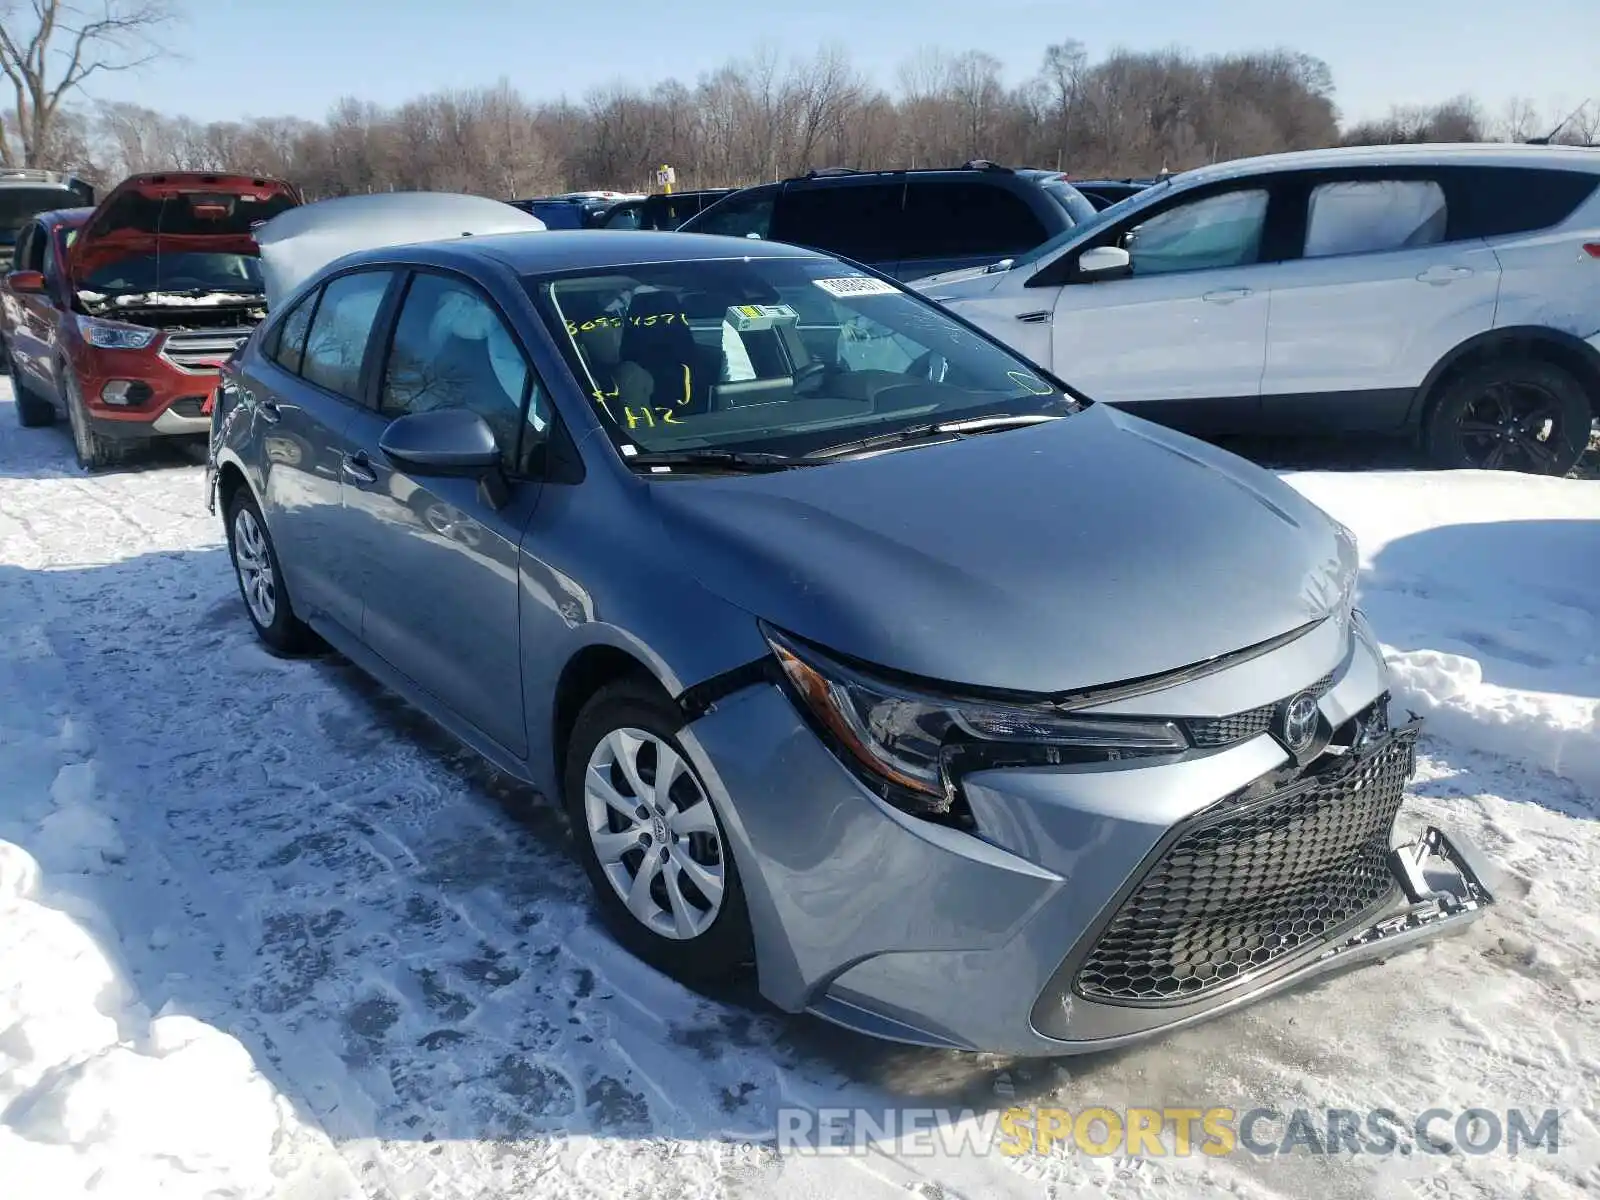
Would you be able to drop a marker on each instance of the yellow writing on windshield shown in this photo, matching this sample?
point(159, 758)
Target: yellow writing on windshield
point(574, 328)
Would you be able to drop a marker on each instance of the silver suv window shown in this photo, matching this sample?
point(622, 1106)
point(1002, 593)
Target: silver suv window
point(1371, 216)
point(1219, 231)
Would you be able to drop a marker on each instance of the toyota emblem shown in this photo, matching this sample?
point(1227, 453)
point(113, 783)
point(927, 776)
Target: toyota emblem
point(1300, 722)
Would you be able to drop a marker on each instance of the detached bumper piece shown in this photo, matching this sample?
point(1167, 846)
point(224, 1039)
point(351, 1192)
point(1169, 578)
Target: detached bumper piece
point(1269, 888)
point(1251, 880)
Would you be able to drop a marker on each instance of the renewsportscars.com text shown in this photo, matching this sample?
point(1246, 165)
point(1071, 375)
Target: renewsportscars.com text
point(1168, 1131)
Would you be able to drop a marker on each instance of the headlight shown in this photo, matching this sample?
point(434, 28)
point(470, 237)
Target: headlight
point(911, 746)
point(110, 335)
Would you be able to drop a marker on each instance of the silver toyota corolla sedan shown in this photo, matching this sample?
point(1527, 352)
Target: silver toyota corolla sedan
point(970, 712)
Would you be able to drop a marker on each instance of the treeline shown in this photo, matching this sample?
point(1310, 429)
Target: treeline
point(762, 118)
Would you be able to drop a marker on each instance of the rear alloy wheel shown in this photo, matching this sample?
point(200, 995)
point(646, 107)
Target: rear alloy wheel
point(650, 838)
point(32, 411)
point(255, 563)
point(95, 452)
point(1514, 415)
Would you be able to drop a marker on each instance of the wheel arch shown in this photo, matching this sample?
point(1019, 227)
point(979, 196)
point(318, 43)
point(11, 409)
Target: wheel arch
point(588, 669)
point(1540, 342)
point(230, 478)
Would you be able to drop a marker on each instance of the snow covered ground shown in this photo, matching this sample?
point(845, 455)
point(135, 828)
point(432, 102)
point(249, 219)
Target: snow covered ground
point(264, 933)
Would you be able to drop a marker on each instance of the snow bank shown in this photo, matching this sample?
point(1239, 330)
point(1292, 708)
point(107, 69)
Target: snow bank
point(97, 1096)
point(1484, 588)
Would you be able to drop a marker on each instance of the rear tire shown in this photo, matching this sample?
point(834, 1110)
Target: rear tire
point(33, 412)
point(1511, 415)
point(260, 578)
point(688, 918)
point(95, 452)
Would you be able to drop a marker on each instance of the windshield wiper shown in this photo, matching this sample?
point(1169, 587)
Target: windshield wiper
point(913, 433)
point(978, 424)
point(725, 460)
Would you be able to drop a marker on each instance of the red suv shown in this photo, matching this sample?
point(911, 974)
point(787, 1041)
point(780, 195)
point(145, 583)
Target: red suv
point(119, 315)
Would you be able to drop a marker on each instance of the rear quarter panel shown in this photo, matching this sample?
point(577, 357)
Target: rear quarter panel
point(1548, 279)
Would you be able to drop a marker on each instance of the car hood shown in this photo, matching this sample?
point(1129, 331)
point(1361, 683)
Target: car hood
point(969, 281)
point(157, 214)
point(1088, 551)
point(298, 244)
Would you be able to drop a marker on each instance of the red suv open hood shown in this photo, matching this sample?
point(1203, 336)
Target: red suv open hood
point(177, 211)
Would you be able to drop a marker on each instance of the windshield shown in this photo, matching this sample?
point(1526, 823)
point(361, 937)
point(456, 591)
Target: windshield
point(1070, 198)
point(778, 355)
point(1102, 218)
point(177, 272)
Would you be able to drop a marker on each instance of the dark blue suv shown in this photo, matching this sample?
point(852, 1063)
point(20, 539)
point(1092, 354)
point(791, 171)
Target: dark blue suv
point(905, 223)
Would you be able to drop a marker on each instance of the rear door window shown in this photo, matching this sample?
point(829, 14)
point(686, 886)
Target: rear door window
point(1370, 216)
point(859, 221)
point(957, 219)
point(340, 330)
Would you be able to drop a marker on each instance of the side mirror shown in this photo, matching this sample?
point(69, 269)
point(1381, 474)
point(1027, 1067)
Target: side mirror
point(445, 441)
point(1104, 262)
point(26, 283)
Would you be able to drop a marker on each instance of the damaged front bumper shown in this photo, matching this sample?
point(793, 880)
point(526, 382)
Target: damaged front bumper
point(1090, 906)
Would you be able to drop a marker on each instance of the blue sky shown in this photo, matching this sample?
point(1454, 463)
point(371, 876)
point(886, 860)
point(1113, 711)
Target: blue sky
point(298, 56)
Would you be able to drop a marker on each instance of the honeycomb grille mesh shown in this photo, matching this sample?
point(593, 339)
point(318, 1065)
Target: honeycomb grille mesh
point(1247, 885)
point(1223, 731)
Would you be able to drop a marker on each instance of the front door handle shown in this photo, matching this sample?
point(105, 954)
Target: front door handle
point(1443, 275)
point(1227, 295)
point(1035, 318)
point(358, 467)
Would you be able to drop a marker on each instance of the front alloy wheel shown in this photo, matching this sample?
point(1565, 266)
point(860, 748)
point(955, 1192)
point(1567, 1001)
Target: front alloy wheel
point(650, 837)
point(260, 576)
point(256, 578)
point(653, 833)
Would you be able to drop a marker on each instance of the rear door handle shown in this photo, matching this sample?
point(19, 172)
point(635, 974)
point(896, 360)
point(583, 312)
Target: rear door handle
point(1227, 295)
point(1440, 275)
point(358, 467)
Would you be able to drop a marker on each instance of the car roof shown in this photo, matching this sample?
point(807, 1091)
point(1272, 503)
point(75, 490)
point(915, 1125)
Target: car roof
point(553, 251)
point(71, 217)
point(36, 177)
point(845, 175)
point(1467, 154)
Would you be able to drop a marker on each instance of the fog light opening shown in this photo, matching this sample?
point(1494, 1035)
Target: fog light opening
point(124, 392)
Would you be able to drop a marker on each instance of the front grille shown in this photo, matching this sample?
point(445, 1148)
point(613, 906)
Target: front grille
point(202, 349)
point(1249, 882)
point(1224, 731)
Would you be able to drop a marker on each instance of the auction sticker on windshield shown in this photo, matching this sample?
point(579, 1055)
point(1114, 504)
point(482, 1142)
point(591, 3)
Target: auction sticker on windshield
point(856, 285)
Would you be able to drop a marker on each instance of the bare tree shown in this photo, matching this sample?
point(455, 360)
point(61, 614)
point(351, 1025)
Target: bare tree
point(1584, 128)
point(50, 48)
point(1519, 121)
point(767, 116)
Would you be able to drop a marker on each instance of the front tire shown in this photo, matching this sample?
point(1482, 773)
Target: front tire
point(650, 839)
point(95, 452)
point(255, 566)
point(1511, 415)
